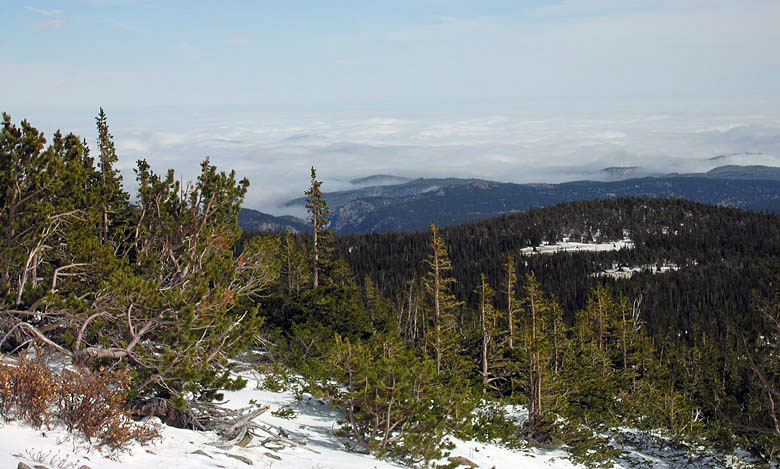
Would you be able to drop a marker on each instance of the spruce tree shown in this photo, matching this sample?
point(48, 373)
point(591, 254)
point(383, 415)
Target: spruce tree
point(536, 307)
point(112, 198)
point(511, 307)
point(321, 235)
point(438, 283)
point(491, 353)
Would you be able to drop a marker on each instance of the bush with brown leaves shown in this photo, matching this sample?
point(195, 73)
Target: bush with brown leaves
point(28, 390)
point(89, 404)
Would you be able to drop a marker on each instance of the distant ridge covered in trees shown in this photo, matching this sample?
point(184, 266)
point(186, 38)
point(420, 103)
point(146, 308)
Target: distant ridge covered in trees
point(713, 247)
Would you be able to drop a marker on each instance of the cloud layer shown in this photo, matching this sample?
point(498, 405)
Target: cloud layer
point(275, 150)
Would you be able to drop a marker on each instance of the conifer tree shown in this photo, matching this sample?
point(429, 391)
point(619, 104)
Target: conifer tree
point(537, 307)
point(438, 283)
point(321, 239)
point(492, 351)
point(511, 308)
point(295, 271)
point(112, 198)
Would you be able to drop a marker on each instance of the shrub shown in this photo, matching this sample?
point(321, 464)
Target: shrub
point(395, 403)
point(28, 389)
point(90, 404)
point(94, 406)
point(285, 412)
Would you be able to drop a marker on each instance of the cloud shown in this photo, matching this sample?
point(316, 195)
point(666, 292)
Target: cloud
point(50, 18)
point(44, 12)
point(275, 151)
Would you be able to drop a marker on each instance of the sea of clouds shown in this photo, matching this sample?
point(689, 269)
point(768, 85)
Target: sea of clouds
point(507, 142)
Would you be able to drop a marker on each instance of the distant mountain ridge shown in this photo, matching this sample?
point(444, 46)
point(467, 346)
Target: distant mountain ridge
point(413, 205)
point(454, 205)
point(413, 187)
point(253, 220)
point(756, 172)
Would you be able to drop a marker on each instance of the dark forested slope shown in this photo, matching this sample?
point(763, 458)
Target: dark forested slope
point(721, 254)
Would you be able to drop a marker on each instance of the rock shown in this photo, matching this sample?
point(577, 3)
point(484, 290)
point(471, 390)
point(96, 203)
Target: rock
point(273, 456)
point(40, 466)
point(202, 453)
point(240, 458)
point(84, 466)
point(23, 466)
point(463, 461)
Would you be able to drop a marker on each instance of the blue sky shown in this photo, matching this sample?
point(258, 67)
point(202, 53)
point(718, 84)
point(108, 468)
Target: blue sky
point(195, 53)
point(509, 90)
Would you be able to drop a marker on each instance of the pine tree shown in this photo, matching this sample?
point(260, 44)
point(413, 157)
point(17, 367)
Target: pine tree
point(438, 284)
point(112, 198)
point(295, 271)
point(536, 306)
point(321, 239)
point(491, 353)
point(511, 308)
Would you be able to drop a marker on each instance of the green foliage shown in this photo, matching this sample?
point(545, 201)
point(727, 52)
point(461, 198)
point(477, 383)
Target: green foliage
point(284, 412)
point(394, 401)
point(441, 304)
point(154, 284)
point(322, 237)
point(491, 424)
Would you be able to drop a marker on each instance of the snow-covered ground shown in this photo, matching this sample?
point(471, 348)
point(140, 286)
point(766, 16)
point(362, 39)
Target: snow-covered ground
point(313, 426)
point(571, 246)
point(628, 272)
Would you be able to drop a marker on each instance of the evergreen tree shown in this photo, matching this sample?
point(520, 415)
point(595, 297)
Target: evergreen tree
point(295, 271)
point(321, 235)
point(536, 308)
point(438, 282)
point(491, 353)
point(511, 308)
point(113, 199)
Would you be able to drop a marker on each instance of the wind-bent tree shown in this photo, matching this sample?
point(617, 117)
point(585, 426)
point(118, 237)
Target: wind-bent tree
point(31, 212)
point(318, 210)
point(161, 293)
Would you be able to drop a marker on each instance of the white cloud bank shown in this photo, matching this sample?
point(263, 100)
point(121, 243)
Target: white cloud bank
point(510, 144)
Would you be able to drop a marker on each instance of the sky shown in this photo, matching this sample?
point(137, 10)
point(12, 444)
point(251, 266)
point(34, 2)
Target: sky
point(516, 91)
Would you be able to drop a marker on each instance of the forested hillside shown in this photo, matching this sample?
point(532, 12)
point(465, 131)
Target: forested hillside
point(722, 254)
point(153, 300)
point(699, 298)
